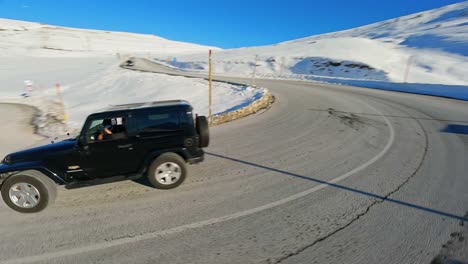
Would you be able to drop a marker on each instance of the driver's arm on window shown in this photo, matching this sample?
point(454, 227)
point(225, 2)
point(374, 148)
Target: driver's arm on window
point(104, 131)
point(107, 131)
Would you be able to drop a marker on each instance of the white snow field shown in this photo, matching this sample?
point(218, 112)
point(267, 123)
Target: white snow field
point(34, 39)
point(434, 43)
point(91, 84)
point(86, 65)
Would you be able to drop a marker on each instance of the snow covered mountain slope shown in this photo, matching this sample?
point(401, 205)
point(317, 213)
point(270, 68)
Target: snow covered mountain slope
point(89, 84)
point(34, 39)
point(445, 29)
point(86, 65)
point(434, 43)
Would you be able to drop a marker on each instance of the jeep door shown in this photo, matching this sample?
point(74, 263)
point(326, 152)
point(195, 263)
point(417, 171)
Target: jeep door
point(110, 155)
point(155, 130)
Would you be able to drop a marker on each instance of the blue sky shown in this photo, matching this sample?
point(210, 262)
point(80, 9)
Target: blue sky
point(226, 24)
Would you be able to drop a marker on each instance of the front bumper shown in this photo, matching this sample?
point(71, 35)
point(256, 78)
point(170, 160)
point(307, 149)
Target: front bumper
point(194, 155)
point(196, 159)
point(4, 167)
point(4, 172)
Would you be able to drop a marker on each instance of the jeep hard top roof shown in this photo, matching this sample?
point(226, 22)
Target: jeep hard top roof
point(144, 105)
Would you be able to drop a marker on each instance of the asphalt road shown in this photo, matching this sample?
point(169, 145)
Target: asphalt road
point(329, 174)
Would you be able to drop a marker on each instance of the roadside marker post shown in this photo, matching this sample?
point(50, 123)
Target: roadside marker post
point(210, 81)
point(29, 87)
point(58, 89)
point(283, 62)
point(408, 66)
point(254, 72)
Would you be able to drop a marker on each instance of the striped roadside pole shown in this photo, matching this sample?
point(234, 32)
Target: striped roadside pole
point(58, 89)
point(210, 78)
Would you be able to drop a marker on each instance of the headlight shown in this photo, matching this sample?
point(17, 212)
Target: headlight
point(7, 159)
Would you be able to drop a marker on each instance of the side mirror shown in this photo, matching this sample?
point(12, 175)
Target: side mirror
point(80, 142)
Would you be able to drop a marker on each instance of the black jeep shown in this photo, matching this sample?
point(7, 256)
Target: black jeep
point(154, 139)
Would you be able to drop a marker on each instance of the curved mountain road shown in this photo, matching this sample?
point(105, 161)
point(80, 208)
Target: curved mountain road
point(329, 174)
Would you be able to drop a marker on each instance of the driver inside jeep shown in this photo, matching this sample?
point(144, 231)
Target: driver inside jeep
point(107, 129)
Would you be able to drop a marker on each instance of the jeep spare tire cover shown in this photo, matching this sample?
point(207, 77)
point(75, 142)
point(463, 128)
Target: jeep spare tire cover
point(203, 131)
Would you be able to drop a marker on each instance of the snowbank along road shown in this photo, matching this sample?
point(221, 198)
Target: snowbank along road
point(329, 174)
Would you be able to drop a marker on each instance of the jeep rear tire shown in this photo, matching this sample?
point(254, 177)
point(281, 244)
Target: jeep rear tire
point(28, 191)
point(167, 171)
point(203, 131)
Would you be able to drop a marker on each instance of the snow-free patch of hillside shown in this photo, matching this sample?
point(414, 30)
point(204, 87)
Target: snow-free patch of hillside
point(434, 43)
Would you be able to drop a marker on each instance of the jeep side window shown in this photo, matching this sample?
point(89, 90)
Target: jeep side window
point(105, 129)
point(157, 121)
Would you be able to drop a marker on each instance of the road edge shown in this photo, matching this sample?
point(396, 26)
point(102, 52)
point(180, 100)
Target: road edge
point(264, 102)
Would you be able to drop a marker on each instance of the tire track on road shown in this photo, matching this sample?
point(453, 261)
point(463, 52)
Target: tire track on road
point(376, 202)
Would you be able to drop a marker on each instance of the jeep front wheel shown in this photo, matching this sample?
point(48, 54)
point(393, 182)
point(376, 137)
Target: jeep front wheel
point(167, 171)
point(28, 192)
